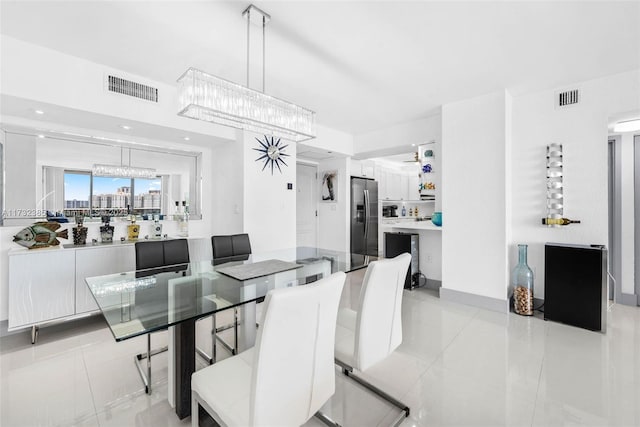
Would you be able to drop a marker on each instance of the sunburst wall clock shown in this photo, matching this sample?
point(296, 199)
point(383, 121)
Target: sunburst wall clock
point(273, 153)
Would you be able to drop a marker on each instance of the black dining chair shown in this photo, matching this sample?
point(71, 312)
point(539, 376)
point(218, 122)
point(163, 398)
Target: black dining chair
point(156, 257)
point(228, 248)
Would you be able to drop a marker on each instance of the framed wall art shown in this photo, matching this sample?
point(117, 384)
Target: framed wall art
point(329, 186)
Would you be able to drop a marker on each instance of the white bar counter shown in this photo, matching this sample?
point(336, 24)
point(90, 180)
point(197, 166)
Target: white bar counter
point(430, 242)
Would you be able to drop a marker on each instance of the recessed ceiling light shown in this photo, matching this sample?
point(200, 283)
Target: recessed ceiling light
point(627, 126)
point(40, 136)
point(329, 152)
point(38, 112)
point(413, 145)
point(186, 138)
point(125, 127)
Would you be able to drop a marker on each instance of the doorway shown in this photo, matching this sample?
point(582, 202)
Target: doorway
point(636, 211)
point(615, 219)
point(306, 204)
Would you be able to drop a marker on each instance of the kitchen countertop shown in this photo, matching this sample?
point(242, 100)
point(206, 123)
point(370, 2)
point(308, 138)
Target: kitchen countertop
point(410, 225)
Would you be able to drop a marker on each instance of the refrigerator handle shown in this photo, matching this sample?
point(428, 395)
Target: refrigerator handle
point(367, 214)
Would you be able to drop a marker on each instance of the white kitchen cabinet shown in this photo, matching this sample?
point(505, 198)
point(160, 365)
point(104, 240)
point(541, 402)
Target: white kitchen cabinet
point(382, 178)
point(404, 187)
point(414, 187)
point(367, 168)
point(41, 286)
point(97, 261)
point(363, 168)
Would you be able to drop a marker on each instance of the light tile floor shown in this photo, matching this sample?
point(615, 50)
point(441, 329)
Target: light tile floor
point(457, 365)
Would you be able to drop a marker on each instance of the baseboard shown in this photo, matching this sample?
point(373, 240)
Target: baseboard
point(4, 326)
point(493, 304)
point(628, 299)
point(433, 284)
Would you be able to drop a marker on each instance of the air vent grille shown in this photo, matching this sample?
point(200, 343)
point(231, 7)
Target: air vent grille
point(128, 87)
point(569, 97)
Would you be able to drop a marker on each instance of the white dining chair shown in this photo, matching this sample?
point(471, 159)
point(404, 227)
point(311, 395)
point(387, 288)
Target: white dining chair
point(289, 374)
point(367, 336)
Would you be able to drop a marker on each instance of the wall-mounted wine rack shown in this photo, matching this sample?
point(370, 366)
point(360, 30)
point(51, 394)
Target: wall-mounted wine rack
point(555, 185)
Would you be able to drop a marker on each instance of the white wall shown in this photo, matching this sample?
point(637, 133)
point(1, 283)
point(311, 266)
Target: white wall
point(475, 142)
point(333, 140)
point(269, 207)
point(582, 130)
point(36, 73)
point(227, 187)
point(415, 132)
point(334, 218)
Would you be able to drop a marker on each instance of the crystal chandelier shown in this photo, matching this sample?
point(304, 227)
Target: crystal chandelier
point(122, 170)
point(206, 97)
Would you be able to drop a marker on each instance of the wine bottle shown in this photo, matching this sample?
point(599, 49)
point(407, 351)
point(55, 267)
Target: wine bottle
point(559, 221)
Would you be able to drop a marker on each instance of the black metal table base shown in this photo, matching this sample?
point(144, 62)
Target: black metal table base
point(185, 362)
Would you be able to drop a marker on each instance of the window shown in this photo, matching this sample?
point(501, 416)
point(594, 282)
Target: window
point(110, 196)
point(77, 191)
point(147, 196)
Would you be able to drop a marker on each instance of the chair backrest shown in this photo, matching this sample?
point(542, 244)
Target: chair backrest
point(221, 246)
point(379, 319)
point(161, 253)
point(294, 373)
point(241, 244)
point(149, 255)
point(236, 247)
point(176, 252)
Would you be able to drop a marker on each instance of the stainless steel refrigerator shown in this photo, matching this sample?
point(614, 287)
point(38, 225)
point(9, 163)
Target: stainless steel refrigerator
point(364, 216)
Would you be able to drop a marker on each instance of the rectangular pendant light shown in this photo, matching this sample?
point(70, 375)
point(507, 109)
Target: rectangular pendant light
point(206, 97)
point(123, 171)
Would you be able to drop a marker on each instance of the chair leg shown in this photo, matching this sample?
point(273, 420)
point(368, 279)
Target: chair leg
point(210, 359)
point(146, 376)
point(233, 350)
point(326, 420)
point(235, 331)
point(195, 411)
point(348, 371)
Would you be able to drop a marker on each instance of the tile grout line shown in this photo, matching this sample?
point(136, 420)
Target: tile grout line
point(404, 397)
point(93, 400)
point(535, 401)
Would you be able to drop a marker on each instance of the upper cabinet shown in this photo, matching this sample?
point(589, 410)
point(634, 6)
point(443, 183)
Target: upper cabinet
point(363, 168)
point(393, 183)
point(396, 185)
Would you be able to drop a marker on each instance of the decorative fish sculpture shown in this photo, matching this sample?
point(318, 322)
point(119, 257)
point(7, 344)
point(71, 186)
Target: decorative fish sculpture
point(40, 235)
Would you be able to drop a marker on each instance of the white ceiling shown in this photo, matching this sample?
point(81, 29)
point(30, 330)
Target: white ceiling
point(361, 66)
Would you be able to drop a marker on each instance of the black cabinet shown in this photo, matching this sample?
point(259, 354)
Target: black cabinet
point(575, 285)
point(398, 243)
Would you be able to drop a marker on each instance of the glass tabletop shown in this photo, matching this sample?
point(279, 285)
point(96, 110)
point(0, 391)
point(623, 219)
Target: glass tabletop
point(138, 302)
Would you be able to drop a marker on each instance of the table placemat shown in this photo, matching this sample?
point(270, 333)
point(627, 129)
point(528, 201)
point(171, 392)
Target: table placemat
point(257, 269)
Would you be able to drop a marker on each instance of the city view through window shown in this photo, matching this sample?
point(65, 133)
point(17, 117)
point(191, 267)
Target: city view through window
point(110, 196)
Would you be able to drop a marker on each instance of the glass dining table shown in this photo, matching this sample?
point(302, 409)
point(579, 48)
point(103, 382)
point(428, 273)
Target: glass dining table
point(136, 303)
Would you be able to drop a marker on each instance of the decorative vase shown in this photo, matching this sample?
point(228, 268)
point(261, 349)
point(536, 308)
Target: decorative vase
point(436, 219)
point(522, 282)
point(156, 228)
point(79, 231)
point(133, 230)
point(106, 230)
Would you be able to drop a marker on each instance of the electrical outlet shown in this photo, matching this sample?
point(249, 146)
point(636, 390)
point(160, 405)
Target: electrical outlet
point(429, 258)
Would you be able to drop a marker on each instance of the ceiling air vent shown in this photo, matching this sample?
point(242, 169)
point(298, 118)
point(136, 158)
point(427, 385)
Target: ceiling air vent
point(128, 87)
point(569, 97)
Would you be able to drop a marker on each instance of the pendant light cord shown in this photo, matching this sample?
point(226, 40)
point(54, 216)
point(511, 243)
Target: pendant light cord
point(248, 41)
point(264, 50)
